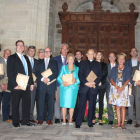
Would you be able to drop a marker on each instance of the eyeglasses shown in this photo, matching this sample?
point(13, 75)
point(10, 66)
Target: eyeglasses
point(20, 45)
point(40, 52)
point(47, 51)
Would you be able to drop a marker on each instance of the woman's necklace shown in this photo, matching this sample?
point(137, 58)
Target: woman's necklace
point(71, 70)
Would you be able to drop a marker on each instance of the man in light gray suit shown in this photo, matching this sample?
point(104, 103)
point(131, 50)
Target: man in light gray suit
point(136, 93)
point(112, 59)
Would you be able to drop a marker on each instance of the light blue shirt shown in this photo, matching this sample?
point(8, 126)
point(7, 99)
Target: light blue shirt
point(134, 62)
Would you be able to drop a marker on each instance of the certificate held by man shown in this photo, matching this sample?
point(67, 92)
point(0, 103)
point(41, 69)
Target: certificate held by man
point(47, 73)
point(91, 78)
point(22, 81)
point(136, 76)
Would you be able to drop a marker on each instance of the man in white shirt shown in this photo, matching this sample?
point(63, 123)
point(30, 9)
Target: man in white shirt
point(112, 60)
point(132, 62)
point(33, 62)
point(61, 60)
point(17, 63)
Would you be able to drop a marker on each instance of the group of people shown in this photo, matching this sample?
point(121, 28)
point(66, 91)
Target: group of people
point(55, 98)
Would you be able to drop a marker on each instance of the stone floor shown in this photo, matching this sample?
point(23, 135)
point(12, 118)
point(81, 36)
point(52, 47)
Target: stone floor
point(59, 132)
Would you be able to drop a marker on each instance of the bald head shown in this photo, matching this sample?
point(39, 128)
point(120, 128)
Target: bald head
point(90, 54)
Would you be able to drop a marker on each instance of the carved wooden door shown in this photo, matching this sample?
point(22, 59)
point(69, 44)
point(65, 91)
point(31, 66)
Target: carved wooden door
point(98, 29)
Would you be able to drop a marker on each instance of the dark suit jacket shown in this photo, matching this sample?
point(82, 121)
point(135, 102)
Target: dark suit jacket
point(129, 63)
point(15, 66)
point(59, 65)
point(77, 63)
point(40, 67)
point(135, 89)
point(126, 74)
point(103, 80)
point(84, 70)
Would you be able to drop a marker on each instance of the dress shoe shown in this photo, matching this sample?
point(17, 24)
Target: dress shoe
point(93, 123)
point(66, 120)
point(90, 125)
point(110, 123)
point(33, 121)
point(49, 123)
point(39, 122)
point(136, 125)
point(29, 124)
point(57, 121)
point(77, 126)
point(100, 123)
point(129, 121)
point(9, 121)
point(16, 125)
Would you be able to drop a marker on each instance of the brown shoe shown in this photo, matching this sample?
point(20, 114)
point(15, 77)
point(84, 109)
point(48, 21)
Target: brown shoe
point(136, 125)
point(39, 122)
point(123, 127)
point(9, 121)
point(33, 121)
point(49, 123)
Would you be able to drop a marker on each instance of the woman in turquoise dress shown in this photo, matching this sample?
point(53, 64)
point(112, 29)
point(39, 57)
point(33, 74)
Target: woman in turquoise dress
point(68, 93)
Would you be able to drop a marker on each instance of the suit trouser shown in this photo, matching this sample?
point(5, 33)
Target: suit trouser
point(101, 93)
point(20, 109)
point(137, 107)
point(109, 106)
point(82, 106)
point(6, 97)
point(33, 98)
point(130, 109)
point(48, 95)
point(57, 108)
point(26, 105)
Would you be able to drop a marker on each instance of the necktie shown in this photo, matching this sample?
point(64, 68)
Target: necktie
point(64, 61)
point(46, 64)
point(24, 64)
point(32, 64)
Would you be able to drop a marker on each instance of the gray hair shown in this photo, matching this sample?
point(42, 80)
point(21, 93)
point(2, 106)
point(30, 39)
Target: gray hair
point(65, 45)
point(42, 50)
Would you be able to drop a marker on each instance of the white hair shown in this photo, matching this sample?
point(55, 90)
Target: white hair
point(65, 45)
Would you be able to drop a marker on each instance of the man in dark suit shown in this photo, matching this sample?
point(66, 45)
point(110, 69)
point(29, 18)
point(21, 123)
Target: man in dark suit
point(112, 60)
point(132, 62)
point(78, 59)
point(61, 60)
point(17, 63)
point(33, 62)
point(46, 92)
point(86, 90)
point(136, 93)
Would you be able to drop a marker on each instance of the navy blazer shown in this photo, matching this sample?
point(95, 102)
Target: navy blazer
point(59, 65)
point(84, 70)
point(40, 67)
point(129, 63)
point(126, 74)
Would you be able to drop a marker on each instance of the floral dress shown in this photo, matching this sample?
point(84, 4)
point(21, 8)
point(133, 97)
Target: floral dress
point(121, 99)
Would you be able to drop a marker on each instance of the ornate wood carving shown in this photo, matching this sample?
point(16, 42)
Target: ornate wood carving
point(98, 29)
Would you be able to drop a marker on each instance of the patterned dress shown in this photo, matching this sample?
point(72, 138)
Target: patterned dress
point(121, 99)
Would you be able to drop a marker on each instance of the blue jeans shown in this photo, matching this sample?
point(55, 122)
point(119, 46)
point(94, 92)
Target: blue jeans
point(5, 97)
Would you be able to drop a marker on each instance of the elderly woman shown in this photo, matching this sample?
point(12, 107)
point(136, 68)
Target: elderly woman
point(119, 95)
point(68, 93)
point(102, 86)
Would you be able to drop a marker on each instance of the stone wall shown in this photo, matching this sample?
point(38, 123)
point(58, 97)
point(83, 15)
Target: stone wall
point(24, 19)
point(83, 5)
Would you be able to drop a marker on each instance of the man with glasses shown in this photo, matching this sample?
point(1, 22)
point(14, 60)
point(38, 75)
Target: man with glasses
point(40, 54)
point(46, 92)
point(132, 62)
point(86, 90)
point(61, 60)
point(112, 60)
point(19, 63)
point(33, 62)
